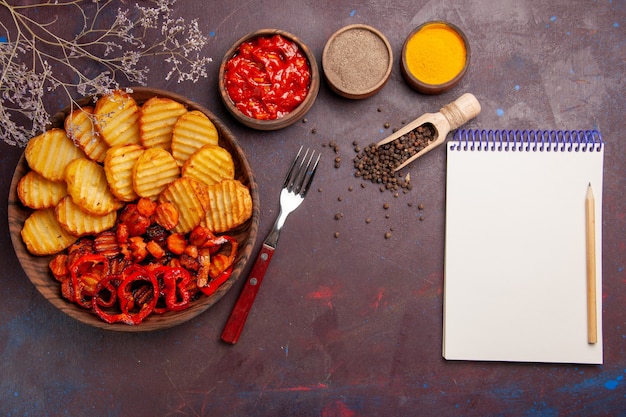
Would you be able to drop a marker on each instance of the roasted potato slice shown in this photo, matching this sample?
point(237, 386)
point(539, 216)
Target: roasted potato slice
point(88, 186)
point(190, 198)
point(154, 170)
point(157, 118)
point(78, 222)
point(192, 131)
point(230, 206)
point(118, 167)
point(44, 235)
point(117, 116)
point(210, 164)
point(49, 153)
point(37, 192)
point(80, 129)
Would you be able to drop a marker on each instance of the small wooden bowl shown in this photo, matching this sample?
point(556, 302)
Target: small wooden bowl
point(357, 61)
point(291, 117)
point(426, 87)
point(36, 267)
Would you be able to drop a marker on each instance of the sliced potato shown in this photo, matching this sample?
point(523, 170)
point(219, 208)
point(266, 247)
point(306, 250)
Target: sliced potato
point(49, 153)
point(80, 129)
point(118, 167)
point(87, 184)
point(230, 206)
point(154, 170)
point(190, 198)
point(37, 192)
point(156, 121)
point(78, 222)
point(117, 116)
point(192, 131)
point(210, 164)
point(117, 152)
point(44, 235)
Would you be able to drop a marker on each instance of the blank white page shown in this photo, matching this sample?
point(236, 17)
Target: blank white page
point(515, 258)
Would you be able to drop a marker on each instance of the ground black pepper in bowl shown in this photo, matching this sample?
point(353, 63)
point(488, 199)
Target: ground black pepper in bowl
point(377, 163)
point(357, 61)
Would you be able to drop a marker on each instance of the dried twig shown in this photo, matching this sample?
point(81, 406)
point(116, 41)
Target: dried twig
point(34, 60)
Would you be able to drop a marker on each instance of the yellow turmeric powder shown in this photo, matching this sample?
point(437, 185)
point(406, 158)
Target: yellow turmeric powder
point(435, 54)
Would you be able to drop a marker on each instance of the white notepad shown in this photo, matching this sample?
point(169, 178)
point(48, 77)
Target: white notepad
point(515, 282)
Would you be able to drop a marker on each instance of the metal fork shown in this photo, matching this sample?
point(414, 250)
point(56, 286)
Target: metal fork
point(295, 187)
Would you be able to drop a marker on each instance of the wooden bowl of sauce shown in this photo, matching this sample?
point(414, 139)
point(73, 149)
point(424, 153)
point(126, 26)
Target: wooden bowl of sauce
point(357, 61)
point(268, 79)
point(435, 57)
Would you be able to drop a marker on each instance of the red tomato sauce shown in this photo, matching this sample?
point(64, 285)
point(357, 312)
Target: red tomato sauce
point(268, 77)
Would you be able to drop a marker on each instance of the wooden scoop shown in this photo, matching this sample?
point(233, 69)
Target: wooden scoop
point(450, 117)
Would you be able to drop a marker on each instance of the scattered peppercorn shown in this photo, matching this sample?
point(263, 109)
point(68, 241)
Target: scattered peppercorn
point(376, 164)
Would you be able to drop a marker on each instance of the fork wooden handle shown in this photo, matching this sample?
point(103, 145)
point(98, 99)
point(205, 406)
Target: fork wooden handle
point(238, 316)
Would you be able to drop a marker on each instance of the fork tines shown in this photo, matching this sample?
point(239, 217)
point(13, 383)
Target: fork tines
point(300, 175)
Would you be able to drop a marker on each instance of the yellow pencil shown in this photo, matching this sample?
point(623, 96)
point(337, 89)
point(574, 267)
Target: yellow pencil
point(590, 216)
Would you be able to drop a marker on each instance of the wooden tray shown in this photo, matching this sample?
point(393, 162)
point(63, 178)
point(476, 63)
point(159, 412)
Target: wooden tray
point(36, 267)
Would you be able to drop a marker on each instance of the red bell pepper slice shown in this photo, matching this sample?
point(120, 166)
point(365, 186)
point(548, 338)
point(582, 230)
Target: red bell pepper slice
point(222, 265)
point(216, 243)
point(108, 286)
point(174, 288)
point(215, 283)
point(134, 311)
point(84, 272)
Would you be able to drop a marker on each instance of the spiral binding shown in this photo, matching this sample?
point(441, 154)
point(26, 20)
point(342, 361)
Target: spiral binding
point(527, 140)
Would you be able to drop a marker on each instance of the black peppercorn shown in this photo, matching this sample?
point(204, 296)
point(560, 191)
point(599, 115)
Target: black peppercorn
point(377, 164)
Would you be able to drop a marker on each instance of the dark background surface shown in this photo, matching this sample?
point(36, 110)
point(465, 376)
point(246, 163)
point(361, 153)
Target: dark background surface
point(350, 326)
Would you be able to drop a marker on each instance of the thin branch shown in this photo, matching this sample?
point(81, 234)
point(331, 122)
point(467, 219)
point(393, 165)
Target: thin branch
point(149, 32)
